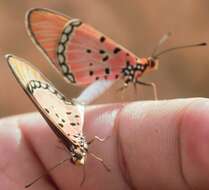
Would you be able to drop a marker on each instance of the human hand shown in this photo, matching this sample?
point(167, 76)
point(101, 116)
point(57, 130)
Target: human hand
point(156, 145)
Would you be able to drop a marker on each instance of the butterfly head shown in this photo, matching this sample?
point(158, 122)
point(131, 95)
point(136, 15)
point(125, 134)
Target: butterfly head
point(152, 63)
point(79, 154)
point(146, 64)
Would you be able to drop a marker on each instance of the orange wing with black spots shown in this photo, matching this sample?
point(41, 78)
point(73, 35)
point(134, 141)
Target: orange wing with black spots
point(79, 51)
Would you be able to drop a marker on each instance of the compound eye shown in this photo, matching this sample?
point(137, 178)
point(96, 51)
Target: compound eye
point(152, 63)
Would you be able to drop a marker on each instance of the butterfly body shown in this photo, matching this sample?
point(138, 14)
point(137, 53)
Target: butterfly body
point(81, 53)
point(84, 55)
point(64, 116)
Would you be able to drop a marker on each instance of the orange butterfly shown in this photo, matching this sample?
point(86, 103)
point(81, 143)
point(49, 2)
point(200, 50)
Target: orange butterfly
point(83, 54)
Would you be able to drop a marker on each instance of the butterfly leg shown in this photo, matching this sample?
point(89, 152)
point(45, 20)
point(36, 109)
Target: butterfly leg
point(84, 175)
point(61, 147)
point(98, 139)
point(125, 85)
point(135, 90)
point(153, 85)
point(46, 173)
point(101, 161)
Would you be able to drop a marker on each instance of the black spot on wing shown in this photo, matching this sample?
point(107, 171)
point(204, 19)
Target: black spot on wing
point(91, 73)
point(102, 39)
point(116, 50)
point(105, 58)
point(101, 51)
point(127, 63)
point(73, 124)
point(46, 110)
point(88, 50)
point(107, 70)
point(60, 124)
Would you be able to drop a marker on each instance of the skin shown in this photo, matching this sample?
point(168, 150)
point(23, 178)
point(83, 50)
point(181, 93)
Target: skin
point(155, 145)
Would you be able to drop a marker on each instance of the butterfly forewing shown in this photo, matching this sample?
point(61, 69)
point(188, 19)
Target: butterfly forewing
point(79, 51)
point(44, 27)
point(67, 116)
point(64, 117)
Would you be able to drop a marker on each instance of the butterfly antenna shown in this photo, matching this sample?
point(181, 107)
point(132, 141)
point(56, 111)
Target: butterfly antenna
point(162, 41)
point(38, 178)
point(101, 161)
point(179, 47)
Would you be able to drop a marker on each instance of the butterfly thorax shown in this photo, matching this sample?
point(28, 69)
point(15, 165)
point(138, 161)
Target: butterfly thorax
point(78, 149)
point(132, 72)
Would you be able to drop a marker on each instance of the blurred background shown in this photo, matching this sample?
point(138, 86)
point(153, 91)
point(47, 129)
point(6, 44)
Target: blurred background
point(136, 24)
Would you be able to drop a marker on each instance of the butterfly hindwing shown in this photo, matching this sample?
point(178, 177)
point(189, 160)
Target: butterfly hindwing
point(80, 52)
point(65, 117)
